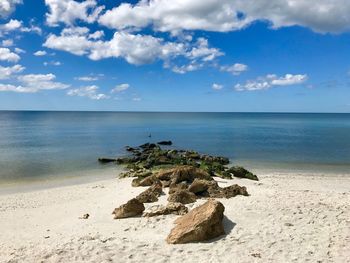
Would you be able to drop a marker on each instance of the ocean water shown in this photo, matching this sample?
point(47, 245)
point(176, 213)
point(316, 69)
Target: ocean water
point(38, 145)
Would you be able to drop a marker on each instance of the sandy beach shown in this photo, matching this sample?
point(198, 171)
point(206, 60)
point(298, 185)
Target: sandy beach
point(286, 218)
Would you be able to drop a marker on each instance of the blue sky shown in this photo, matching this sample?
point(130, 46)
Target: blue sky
point(179, 55)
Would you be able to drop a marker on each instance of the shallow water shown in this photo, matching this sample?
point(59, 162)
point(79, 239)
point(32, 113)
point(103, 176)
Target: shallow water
point(35, 145)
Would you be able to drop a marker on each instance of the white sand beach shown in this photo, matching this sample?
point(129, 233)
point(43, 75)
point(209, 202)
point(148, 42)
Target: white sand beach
point(286, 218)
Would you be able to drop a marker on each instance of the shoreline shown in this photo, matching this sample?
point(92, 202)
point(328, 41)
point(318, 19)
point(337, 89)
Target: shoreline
point(286, 218)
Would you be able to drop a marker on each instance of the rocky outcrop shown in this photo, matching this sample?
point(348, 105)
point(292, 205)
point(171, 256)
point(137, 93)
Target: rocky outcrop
point(132, 208)
point(200, 224)
point(170, 208)
point(182, 196)
point(148, 181)
point(151, 194)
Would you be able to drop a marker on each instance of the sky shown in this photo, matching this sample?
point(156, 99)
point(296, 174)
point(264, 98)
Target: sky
point(175, 55)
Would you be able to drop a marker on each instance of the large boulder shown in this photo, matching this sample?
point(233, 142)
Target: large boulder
point(200, 186)
point(182, 173)
point(170, 208)
point(182, 196)
point(200, 224)
point(151, 194)
point(132, 208)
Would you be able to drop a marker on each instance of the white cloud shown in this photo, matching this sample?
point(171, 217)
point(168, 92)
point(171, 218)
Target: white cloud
point(136, 49)
point(40, 53)
point(52, 63)
point(8, 6)
point(120, 88)
point(19, 50)
point(33, 83)
point(288, 79)
point(7, 43)
point(271, 80)
point(16, 25)
point(136, 99)
point(7, 72)
point(7, 55)
point(216, 86)
point(67, 11)
point(235, 69)
point(89, 91)
point(229, 15)
point(87, 78)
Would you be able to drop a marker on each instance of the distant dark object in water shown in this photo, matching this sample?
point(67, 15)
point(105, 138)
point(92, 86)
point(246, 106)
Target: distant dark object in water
point(106, 160)
point(150, 135)
point(165, 143)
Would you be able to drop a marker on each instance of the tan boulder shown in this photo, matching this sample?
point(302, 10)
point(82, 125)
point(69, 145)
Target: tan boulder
point(182, 196)
point(170, 208)
point(199, 185)
point(200, 224)
point(151, 194)
point(132, 208)
point(147, 181)
point(175, 187)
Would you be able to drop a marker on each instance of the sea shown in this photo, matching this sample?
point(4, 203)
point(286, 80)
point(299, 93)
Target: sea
point(44, 145)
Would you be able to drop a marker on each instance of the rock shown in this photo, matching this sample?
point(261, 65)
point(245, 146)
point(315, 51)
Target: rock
point(106, 160)
point(176, 187)
point(148, 181)
point(165, 143)
point(151, 194)
point(85, 216)
point(182, 196)
point(182, 173)
point(200, 224)
point(171, 208)
point(132, 208)
point(199, 186)
point(228, 192)
point(241, 172)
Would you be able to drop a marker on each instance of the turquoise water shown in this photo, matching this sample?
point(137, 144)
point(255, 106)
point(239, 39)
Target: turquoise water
point(35, 145)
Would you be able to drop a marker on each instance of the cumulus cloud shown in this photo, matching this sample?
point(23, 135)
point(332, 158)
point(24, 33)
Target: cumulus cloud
point(136, 49)
point(17, 25)
point(228, 15)
point(269, 81)
point(7, 72)
point(235, 69)
point(40, 53)
point(8, 6)
point(32, 83)
point(67, 11)
point(216, 86)
point(120, 88)
point(7, 55)
point(90, 91)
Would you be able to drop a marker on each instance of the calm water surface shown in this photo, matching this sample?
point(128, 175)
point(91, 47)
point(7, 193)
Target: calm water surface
point(36, 145)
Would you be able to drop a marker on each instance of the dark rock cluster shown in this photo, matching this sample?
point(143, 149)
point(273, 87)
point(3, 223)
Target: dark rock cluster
point(188, 176)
